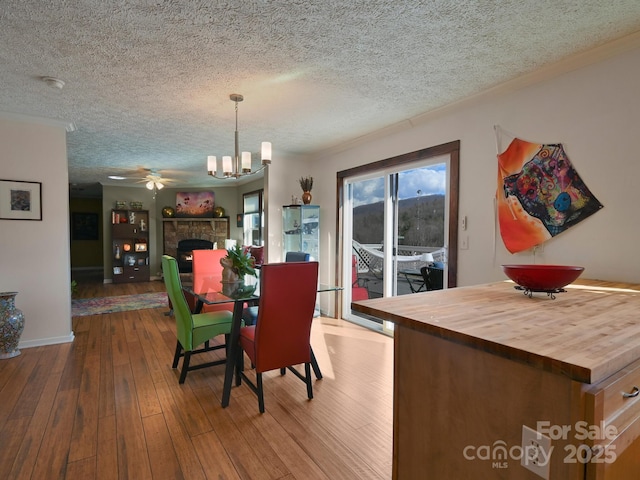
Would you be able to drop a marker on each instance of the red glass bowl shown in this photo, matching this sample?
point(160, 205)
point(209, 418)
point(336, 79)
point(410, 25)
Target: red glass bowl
point(542, 278)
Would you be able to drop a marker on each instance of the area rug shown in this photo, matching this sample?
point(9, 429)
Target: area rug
point(119, 303)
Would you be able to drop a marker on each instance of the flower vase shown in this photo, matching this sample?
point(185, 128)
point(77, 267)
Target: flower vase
point(306, 198)
point(232, 289)
point(11, 325)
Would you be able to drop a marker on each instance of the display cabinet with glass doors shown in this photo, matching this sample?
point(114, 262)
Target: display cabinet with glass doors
point(301, 230)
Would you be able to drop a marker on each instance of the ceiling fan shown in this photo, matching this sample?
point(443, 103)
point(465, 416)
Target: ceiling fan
point(151, 178)
point(155, 181)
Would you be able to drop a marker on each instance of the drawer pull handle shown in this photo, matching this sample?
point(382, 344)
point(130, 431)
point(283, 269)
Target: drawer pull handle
point(634, 393)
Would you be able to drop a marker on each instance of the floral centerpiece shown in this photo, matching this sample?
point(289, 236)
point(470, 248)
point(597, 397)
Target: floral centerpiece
point(236, 265)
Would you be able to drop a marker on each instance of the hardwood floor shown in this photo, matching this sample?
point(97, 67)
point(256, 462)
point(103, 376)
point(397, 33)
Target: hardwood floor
point(109, 406)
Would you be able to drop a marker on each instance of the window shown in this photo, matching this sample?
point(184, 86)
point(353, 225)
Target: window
point(252, 218)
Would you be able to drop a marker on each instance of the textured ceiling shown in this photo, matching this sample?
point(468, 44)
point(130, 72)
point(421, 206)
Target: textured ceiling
point(148, 81)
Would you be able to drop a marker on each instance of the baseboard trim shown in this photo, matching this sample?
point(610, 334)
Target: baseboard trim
point(39, 342)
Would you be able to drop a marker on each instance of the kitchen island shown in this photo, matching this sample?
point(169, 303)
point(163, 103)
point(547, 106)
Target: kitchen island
point(475, 364)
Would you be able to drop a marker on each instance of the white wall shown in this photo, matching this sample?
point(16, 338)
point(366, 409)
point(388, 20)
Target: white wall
point(593, 111)
point(281, 183)
point(34, 255)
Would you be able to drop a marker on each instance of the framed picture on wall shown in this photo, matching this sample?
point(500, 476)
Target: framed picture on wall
point(20, 200)
point(195, 204)
point(239, 220)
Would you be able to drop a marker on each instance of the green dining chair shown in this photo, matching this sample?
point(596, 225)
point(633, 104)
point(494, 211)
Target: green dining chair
point(193, 330)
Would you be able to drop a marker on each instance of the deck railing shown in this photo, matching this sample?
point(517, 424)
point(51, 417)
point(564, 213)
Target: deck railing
point(368, 261)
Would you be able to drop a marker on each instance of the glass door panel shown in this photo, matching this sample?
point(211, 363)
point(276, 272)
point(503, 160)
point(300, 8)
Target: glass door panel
point(420, 227)
point(394, 224)
point(252, 218)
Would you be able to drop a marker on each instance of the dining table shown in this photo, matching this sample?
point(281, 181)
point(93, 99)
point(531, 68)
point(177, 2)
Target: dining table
point(245, 295)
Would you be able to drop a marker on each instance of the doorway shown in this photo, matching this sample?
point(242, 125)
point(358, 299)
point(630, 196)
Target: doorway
point(396, 216)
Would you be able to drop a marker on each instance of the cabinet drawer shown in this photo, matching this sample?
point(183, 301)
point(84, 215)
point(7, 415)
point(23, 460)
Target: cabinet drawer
point(608, 399)
point(136, 274)
point(613, 404)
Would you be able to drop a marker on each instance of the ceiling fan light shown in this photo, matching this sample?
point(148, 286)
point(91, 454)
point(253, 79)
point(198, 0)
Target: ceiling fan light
point(150, 185)
point(159, 185)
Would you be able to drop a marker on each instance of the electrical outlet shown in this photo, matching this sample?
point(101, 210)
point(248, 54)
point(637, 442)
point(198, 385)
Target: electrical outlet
point(536, 452)
point(464, 242)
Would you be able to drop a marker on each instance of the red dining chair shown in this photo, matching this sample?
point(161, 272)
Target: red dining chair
point(257, 252)
point(280, 337)
point(207, 275)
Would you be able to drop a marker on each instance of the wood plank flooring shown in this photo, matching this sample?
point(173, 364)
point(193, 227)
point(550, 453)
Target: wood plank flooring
point(109, 406)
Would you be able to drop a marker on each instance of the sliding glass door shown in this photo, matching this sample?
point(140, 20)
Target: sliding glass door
point(396, 220)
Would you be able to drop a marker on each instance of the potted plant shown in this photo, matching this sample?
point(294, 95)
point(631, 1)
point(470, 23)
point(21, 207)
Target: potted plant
point(306, 183)
point(237, 264)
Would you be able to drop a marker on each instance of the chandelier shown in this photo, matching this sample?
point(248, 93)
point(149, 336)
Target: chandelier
point(238, 165)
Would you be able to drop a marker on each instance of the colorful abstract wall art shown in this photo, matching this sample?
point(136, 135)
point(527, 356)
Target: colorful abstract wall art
point(539, 195)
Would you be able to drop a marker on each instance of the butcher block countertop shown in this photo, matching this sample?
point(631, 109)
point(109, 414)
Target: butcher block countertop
point(587, 333)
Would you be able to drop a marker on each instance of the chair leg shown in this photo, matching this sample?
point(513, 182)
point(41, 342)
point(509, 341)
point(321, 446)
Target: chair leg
point(307, 373)
point(283, 371)
point(260, 393)
point(239, 366)
point(185, 367)
point(314, 364)
point(176, 356)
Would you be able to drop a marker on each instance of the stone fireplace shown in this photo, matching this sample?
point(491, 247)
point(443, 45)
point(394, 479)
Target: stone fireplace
point(212, 230)
point(185, 250)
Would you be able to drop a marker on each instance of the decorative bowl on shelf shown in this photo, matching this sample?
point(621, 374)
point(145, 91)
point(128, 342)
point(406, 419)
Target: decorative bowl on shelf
point(542, 278)
point(168, 212)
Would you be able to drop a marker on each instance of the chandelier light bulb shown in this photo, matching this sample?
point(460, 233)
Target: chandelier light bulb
point(227, 168)
point(266, 152)
point(246, 162)
point(211, 163)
